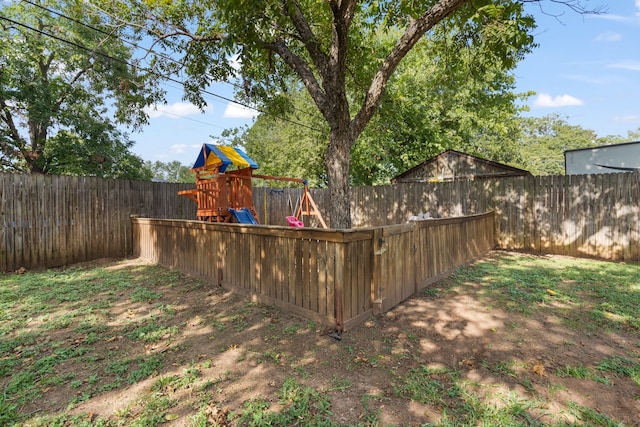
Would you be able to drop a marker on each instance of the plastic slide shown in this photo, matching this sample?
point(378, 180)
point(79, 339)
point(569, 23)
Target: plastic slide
point(243, 216)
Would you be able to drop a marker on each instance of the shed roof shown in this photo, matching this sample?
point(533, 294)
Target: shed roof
point(500, 168)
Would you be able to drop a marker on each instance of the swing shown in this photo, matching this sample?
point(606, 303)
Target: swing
point(307, 207)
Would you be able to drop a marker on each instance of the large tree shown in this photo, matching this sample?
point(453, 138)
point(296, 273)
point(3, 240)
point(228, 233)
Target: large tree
point(443, 95)
point(544, 140)
point(65, 84)
point(325, 45)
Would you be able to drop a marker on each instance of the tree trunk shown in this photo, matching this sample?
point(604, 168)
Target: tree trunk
point(38, 134)
point(338, 164)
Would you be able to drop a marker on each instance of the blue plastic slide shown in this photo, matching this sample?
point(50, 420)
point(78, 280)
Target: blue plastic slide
point(243, 216)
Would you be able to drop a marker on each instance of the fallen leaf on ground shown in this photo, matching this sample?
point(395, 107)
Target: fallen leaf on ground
point(538, 368)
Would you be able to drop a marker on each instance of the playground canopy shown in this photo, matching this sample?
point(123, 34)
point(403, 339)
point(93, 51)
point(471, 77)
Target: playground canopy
point(223, 155)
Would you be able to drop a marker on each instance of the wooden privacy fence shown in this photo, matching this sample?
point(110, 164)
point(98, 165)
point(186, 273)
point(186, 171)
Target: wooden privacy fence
point(578, 215)
point(48, 221)
point(335, 277)
point(414, 255)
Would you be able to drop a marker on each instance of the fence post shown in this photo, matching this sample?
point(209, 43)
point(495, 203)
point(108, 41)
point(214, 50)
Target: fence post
point(378, 247)
point(339, 286)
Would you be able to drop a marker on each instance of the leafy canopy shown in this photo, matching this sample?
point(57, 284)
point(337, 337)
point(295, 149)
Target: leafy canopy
point(446, 93)
point(172, 171)
point(293, 148)
point(65, 85)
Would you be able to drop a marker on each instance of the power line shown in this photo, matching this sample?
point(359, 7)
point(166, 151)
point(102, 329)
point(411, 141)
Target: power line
point(164, 56)
point(101, 54)
point(95, 52)
point(187, 118)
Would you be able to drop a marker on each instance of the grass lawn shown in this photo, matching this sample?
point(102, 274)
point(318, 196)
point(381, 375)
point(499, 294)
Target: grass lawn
point(513, 339)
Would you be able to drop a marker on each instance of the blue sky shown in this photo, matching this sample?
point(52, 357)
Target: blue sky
point(587, 69)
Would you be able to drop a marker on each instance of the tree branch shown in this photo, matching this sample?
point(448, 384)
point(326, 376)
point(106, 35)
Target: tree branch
point(342, 16)
point(300, 67)
point(342, 12)
point(347, 10)
point(577, 6)
point(306, 35)
point(416, 29)
point(63, 96)
point(7, 118)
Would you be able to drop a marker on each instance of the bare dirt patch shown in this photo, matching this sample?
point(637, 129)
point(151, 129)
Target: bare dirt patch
point(451, 352)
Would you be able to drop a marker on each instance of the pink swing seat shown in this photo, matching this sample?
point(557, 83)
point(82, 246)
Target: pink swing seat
point(294, 222)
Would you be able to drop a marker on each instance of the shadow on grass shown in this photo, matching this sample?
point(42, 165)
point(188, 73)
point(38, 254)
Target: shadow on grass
point(510, 340)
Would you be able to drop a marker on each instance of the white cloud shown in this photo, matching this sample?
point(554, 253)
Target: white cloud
point(608, 37)
point(174, 111)
point(179, 148)
point(622, 19)
point(626, 65)
point(638, 6)
point(237, 111)
point(547, 101)
point(627, 119)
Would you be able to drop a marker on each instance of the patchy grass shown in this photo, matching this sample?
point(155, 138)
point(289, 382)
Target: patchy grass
point(608, 292)
point(511, 340)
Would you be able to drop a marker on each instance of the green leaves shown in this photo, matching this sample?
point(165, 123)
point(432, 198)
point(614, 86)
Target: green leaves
point(66, 82)
point(293, 148)
point(448, 92)
point(172, 171)
point(544, 140)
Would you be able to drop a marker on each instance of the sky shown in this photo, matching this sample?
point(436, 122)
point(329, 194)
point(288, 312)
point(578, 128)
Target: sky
point(586, 69)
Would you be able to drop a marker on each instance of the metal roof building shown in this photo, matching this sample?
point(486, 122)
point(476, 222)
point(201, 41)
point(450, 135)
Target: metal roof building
point(613, 158)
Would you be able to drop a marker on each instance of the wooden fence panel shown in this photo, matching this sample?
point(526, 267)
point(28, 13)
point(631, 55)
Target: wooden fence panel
point(292, 268)
point(411, 256)
point(587, 215)
point(335, 277)
point(48, 221)
point(357, 273)
point(326, 275)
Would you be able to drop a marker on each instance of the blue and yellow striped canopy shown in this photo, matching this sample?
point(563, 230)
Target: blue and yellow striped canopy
point(223, 155)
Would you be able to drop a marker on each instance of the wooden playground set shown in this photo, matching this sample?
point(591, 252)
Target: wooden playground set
point(223, 190)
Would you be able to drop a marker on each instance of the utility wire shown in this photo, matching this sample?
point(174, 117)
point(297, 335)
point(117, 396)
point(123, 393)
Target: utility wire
point(187, 118)
point(79, 46)
point(108, 57)
point(124, 40)
point(168, 58)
